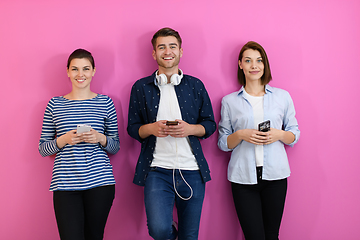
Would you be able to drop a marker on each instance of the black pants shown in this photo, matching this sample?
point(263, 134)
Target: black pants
point(260, 207)
point(82, 215)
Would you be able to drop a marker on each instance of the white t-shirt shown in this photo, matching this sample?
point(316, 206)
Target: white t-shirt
point(172, 152)
point(257, 104)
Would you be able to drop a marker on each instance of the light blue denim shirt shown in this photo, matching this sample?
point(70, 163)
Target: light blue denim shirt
point(236, 114)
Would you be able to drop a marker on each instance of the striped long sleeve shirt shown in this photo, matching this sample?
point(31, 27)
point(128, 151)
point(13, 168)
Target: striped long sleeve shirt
point(84, 165)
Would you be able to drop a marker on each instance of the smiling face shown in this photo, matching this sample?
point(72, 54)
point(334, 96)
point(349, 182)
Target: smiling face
point(80, 72)
point(252, 65)
point(167, 54)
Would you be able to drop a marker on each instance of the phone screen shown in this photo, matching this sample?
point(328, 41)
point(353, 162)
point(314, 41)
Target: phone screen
point(172, 123)
point(81, 128)
point(264, 126)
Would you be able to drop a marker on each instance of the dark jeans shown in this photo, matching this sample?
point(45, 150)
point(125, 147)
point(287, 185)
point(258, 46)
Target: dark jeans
point(82, 215)
point(260, 207)
point(160, 198)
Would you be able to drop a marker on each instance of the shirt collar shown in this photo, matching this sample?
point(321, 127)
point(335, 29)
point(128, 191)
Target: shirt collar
point(268, 89)
point(152, 79)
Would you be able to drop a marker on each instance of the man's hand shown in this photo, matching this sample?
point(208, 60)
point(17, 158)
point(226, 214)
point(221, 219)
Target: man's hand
point(184, 129)
point(158, 129)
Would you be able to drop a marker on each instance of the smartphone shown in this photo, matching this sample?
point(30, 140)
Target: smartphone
point(172, 123)
point(81, 128)
point(264, 126)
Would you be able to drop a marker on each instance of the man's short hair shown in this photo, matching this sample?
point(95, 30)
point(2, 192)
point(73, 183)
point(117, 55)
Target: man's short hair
point(165, 32)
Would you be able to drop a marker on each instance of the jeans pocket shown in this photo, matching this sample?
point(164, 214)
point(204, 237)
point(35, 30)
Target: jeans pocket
point(152, 169)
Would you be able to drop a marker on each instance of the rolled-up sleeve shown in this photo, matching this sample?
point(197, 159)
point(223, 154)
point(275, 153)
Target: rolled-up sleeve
point(134, 115)
point(225, 127)
point(290, 122)
point(206, 118)
point(111, 129)
point(47, 142)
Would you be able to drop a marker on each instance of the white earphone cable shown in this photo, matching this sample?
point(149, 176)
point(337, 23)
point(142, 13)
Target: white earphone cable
point(176, 165)
point(191, 190)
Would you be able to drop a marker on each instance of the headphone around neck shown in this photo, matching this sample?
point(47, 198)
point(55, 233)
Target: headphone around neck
point(175, 79)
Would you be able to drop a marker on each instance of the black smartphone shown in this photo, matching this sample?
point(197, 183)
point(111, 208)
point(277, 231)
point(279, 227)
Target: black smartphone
point(264, 126)
point(172, 122)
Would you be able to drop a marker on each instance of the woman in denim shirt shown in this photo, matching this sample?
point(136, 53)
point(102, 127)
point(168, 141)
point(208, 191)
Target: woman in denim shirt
point(258, 167)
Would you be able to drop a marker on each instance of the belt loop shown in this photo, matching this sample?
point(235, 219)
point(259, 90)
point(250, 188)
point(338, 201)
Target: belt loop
point(259, 172)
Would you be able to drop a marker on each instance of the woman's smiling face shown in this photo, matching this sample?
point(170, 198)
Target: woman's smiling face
point(252, 65)
point(80, 72)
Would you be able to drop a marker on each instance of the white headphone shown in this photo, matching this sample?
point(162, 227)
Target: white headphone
point(174, 80)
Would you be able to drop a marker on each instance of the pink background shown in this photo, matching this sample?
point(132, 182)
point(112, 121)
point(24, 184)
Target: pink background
point(313, 47)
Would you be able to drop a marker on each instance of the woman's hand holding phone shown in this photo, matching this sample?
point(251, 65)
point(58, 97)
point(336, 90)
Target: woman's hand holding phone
point(94, 136)
point(71, 138)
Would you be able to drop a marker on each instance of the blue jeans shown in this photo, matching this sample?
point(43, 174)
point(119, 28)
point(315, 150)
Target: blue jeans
point(160, 198)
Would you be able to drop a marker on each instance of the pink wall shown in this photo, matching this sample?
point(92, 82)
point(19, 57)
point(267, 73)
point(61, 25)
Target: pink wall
point(313, 47)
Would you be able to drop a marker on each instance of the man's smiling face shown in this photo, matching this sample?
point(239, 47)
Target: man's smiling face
point(167, 53)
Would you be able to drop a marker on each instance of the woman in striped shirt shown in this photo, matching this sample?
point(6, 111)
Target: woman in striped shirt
point(82, 181)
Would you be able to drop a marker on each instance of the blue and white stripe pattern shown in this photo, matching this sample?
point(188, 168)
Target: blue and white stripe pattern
point(84, 165)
